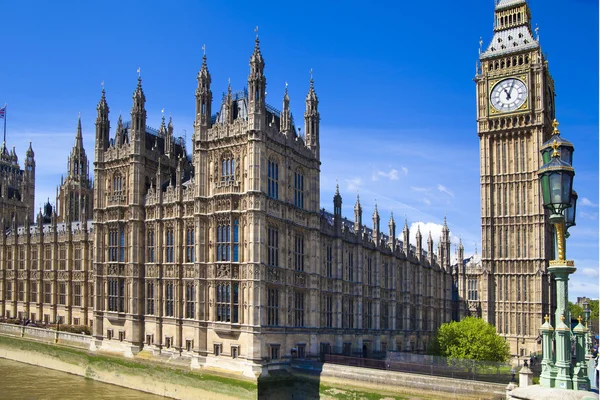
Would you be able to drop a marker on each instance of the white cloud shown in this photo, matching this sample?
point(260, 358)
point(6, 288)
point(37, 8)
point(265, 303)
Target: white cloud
point(426, 201)
point(585, 202)
point(420, 189)
point(444, 189)
point(353, 183)
point(590, 272)
point(392, 175)
point(405, 170)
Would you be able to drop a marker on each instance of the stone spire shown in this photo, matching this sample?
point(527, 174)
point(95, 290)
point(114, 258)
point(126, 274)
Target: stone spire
point(376, 225)
point(419, 244)
point(337, 208)
point(286, 115)
point(406, 237)
point(312, 119)
point(203, 101)
point(138, 113)
point(357, 215)
point(392, 226)
point(102, 124)
point(257, 86)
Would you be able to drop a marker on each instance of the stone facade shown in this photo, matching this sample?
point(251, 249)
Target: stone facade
point(224, 256)
point(515, 110)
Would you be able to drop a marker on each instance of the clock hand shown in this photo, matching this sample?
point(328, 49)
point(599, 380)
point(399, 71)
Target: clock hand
point(507, 94)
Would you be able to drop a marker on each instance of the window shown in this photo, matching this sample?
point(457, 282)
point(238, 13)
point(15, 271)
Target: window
point(121, 336)
point(518, 284)
point(169, 299)
point(299, 309)
point(34, 257)
point(109, 334)
point(116, 294)
point(77, 294)
point(399, 316)
point(223, 302)
point(273, 180)
point(149, 339)
point(348, 313)
point(301, 350)
point(150, 246)
point(223, 245)
point(499, 322)
point(299, 252)
point(90, 295)
point(9, 258)
point(77, 263)
point(62, 258)
point(500, 288)
point(189, 245)
point(329, 311)
point(190, 300)
point(47, 292)
point(227, 167)
point(351, 267)
point(369, 270)
point(150, 298)
point(368, 316)
point(386, 277)
point(217, 349)
point(62, 293)
point(299, 190)
point(274, 351)
point(329, 260)
point(234, 351)
point(472, 289)
point(21, 258)
point(273, 307)
point(116, 245)
point(273, 246)
point(47, 257)
point(523, 156)
point(33, 292)
point(170, 255)
point(168, 342)
point(189, 345)
point(21, 290)
point(117, 184)
point(236, 240)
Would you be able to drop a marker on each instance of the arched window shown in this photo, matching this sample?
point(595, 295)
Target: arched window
point(117, 184)
point(189, 245)
point(299, 189)
point(227, 167)
point(170, 253)
point(273, 179)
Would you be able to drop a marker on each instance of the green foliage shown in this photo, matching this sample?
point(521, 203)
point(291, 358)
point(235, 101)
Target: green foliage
point(575, 310)
point(471, 339)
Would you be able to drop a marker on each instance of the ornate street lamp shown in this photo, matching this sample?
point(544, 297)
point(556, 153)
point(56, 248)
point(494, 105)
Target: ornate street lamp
point(556, 179)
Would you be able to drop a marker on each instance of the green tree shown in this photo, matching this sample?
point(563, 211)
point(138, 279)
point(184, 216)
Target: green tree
point(472, 339)
point(576, 310)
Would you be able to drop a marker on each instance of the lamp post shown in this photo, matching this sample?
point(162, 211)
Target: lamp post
point(556, 179)
point(586, 314)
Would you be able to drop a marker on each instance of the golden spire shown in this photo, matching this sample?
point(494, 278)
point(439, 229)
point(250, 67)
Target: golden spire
point(580, 319)
point(555, 126)
point(562, 318)
point(555, 146)
point(547, 318)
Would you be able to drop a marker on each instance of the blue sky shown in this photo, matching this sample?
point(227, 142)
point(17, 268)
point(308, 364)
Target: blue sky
point(394, 80)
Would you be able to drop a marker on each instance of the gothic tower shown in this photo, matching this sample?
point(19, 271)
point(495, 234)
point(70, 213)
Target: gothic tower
point(515, 108)
point(76, 192)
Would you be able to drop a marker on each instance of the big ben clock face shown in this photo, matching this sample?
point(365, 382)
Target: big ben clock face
point(508, 95)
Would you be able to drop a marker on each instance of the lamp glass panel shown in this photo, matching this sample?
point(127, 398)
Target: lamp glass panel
point(556, 191)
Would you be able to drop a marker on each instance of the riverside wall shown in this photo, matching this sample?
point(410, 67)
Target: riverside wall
point(169, 384)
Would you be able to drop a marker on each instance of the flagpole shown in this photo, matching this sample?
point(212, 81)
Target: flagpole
point(4, 122)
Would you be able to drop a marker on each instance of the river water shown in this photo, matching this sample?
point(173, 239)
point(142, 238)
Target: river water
point(19, 381)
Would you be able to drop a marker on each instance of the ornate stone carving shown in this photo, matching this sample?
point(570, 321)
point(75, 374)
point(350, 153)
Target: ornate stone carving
point(169, 271)
point(300, 280)
point(223, 271)
point(273, 275)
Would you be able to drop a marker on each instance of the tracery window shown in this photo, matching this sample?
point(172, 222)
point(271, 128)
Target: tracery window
point(33, 292)
point(169, 299)
point(299, 189)
point(298, 308)
point(62, 293)
point(273, 179)
point(329, 260)
point(351, 267)
point(62, 258)
point(189, 245)
point(472, 289)
point(272, 246)
point(77, 294)
point(170, 246)
point(328, 311)
point(190, 300)
point(21, 289)
point(47, 292)
point(369, 270)
point(8, 291)
point(272, 307)
point(150, 298)
point(227, 167)
point(150, 246)
point(117, 184)
point(368, 315)
point(77, 265)
point(228, 302)
point(116, 294)
point(226, 248)
point(299, 252)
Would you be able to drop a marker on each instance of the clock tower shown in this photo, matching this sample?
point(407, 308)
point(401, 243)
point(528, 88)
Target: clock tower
point(515, 110)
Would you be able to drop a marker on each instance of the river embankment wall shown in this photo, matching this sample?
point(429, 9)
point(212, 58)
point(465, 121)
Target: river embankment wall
point(68, 352)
